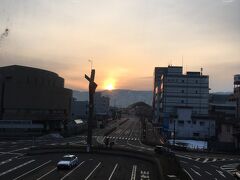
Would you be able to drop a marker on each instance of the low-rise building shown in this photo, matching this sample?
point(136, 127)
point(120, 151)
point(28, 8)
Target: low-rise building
point(32, 100)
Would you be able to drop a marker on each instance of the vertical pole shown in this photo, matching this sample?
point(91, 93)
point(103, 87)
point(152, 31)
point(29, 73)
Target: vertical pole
point(91, 104)
point(174, 131)
point(2, 99)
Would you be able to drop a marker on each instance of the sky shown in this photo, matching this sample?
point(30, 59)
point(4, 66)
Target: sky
point(125, 39)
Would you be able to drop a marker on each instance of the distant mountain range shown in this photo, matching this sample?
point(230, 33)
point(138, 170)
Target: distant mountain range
point(125, 97)
point(119, 97)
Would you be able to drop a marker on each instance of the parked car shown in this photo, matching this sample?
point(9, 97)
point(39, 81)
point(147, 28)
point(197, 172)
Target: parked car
point(67, 161)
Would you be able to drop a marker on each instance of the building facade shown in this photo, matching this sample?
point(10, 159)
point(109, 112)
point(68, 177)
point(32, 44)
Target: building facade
point(174, 93)
point(79, 110)
point(33, 96)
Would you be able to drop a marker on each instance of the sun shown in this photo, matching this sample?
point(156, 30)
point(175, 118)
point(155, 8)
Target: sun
point(109, 84)
point(109, 87)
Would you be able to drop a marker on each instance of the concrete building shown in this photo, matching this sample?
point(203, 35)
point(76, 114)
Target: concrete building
point(79, 110)
point(32, 100)
point(101, 109)
point(177, 93)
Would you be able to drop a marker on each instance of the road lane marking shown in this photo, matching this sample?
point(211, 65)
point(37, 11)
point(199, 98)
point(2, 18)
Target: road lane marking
point(114, 169)
point(17, 167)
point(221, 173)
point(208, 173)
point(195, 172)
point(214, 160)
point(47, 173)
point(72, 171)
point(134, 171)
point(92, 171)
point(8, 160)
point(196, 167)
point(188, 174)
point(197, 159)
point(32, 170)
point(205, 160)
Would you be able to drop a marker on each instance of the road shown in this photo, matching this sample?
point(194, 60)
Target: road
point(209, 166)
point(13, 162)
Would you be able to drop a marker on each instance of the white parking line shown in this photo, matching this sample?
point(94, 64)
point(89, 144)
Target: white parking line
point(196, 167)
point(188, 174)
point(92, 171)
point(32, 170)
point(72, 170)
point(134, 171)
point(208, 173)
point(214, 160)
point(205, 160)
point(47, 173)
point(195, 172)
point(221, 173)
point(114, 169)
point(8, 160)
point(17, 167)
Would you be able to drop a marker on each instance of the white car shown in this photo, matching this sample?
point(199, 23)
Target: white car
point(67, 161)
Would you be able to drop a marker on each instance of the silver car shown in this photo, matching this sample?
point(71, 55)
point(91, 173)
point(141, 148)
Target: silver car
point(67, 161)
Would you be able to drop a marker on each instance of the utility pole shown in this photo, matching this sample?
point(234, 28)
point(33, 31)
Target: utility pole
point(92, 88)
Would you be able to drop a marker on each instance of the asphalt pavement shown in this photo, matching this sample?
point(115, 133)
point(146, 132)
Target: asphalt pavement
point(15, 164)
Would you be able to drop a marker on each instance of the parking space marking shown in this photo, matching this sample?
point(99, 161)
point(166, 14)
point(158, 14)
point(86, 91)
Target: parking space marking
point(47, 173)
point(195, 172)
point(32, 170)
point(208, 173)
point(17, 167)
point(72, 170)
point(134, 171)
point(92, 171)
point(221, 173)
point(8, 160)
point(188, 174)
point(114, 169)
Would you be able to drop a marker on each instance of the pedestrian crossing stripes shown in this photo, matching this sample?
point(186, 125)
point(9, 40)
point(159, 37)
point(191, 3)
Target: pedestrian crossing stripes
point(230, 168)
point(113, 137)
point(207, 159)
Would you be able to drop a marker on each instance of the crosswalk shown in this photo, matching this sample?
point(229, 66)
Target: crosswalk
point(230, 168)
point(114, 137)
point(207, 159)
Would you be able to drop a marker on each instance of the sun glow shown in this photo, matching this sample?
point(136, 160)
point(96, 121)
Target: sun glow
point(109, 84)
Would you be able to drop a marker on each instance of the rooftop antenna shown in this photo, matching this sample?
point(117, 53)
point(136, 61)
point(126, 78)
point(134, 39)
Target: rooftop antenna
point(182, 64)
point(201, 71)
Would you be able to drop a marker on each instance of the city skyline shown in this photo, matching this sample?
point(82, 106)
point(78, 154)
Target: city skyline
point(124, 41)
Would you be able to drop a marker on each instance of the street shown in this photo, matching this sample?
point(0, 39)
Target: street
point(15, 164)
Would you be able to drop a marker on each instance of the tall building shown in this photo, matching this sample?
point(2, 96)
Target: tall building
point(32, 100)
point(178, 96)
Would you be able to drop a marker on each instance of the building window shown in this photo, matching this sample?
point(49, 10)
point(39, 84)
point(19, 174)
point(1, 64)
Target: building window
point(189, 122)
point(182, 101)
point(182, 91)
point(196, 81)
point(183, 81)
point(196, 92)
point(202, 123)
point(194, 122)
